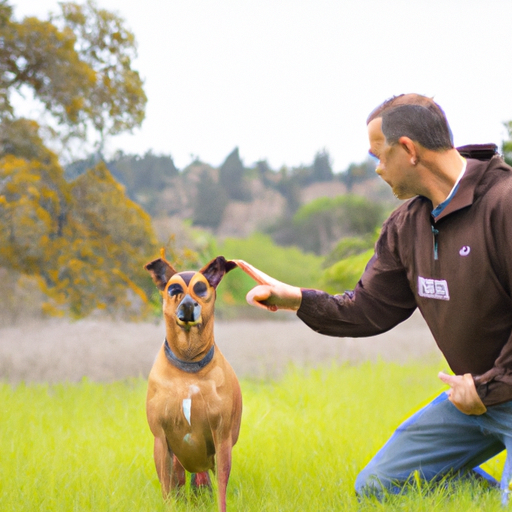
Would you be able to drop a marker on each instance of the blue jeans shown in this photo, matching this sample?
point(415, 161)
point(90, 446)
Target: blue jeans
point(437, 441)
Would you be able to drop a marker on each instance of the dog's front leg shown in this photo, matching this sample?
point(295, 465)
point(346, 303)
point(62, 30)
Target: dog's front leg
point(163, 464)
point(169, 469)
point(223, 466)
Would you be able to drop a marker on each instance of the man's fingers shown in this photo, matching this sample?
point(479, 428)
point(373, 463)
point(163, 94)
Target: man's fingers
point(258, 295)
point(259, 276)
point(447, 379)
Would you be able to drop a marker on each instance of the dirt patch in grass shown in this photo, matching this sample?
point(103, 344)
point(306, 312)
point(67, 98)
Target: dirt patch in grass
point(57, 350)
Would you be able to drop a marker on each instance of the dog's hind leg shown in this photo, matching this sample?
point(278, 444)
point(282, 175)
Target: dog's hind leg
point(201, 481)
point(177, 473)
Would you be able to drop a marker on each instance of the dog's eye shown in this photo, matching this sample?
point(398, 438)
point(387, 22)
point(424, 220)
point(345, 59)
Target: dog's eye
point(174, 289)
point(200, 289)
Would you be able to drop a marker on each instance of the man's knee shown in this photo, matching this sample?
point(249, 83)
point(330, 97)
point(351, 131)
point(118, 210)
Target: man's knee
point(368, 483)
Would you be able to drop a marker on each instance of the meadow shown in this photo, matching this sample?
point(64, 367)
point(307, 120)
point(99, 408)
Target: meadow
point(86, 446)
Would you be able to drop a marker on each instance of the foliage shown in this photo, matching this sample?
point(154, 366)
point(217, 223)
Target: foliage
point(20, 137)
point(84, 241)
point(318, 225)
point(287, 264)
point(507, 144)
point(210, 202)
point(290, 187)
point(321, 169)
point(345, 274)
point(303, 440)
point(117, 101)
point(120, 241)
point(38, 55)
point(78, 65)
point(143, 175)
point(350, 246)
point(232, 178)
point(357, 173)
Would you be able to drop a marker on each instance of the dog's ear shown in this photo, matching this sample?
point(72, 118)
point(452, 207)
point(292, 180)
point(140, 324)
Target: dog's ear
point(215, 270)
point(161, 271)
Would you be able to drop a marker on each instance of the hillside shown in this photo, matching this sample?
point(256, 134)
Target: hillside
point(234, 200)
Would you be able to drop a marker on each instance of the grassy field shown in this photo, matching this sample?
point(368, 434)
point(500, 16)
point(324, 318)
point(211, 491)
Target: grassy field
point(86, 446)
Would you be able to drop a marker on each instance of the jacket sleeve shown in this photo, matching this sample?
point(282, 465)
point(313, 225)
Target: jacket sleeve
point(381, 299)
point(495, 385)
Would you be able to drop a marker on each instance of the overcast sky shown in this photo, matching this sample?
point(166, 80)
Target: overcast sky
point(282, 79)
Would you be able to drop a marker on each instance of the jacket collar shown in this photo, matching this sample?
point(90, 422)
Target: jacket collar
point(465, 194)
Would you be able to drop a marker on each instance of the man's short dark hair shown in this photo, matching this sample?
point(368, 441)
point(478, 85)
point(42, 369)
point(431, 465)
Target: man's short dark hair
point(416, 117)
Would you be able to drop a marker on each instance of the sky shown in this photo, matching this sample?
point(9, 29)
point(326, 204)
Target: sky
point(284, 79)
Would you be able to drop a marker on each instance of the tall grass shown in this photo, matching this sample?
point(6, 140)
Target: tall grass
point(304, 438)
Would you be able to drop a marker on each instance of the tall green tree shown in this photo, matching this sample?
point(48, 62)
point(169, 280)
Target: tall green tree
point(322, 169)
point(210, 202)
point(232, 178)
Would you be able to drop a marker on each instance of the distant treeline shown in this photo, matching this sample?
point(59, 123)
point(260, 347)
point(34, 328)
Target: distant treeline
point(272, 198)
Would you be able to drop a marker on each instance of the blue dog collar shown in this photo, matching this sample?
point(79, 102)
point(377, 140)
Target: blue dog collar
point(188, 366)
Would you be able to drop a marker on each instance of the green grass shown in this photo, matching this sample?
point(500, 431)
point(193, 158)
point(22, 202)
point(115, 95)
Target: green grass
point(86, 446)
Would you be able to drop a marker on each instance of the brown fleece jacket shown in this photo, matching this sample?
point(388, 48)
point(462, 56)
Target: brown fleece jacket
point(456, 268)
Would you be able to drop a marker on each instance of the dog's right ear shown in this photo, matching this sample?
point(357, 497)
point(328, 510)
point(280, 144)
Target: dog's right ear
point(161, 271)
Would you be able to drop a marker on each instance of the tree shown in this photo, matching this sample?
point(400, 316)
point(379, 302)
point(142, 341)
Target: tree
point(210, 202)
point(77, 64)
point(116, 102)
point(144, 177)
point(232, 177)
point(318, 225)
point(356, 173)
point(322, 170)
point(114, 242)
point(84, 242)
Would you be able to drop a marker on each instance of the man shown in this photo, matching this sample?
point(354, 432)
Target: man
point(448, 252)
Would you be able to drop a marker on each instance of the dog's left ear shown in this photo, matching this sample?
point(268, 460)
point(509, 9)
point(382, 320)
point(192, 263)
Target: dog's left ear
point(161, 271)
point(215, 270)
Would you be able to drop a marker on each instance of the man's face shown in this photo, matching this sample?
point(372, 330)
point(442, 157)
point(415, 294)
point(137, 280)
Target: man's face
point(394, 162)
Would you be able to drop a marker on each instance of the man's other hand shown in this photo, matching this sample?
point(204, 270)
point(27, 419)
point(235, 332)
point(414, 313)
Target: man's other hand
point(463, 393)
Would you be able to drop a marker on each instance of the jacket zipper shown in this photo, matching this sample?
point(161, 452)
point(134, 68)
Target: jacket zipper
point(435, 232)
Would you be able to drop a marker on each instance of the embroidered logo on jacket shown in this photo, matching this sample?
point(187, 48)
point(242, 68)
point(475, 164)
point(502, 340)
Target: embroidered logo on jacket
point(433, 288)
point(465, 250)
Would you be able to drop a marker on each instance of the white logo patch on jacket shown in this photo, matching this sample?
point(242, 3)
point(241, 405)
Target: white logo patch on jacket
point(433, 288)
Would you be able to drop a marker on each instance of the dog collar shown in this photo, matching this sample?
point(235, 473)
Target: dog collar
point(188, 366)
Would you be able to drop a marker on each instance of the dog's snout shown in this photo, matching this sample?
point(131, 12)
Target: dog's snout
point(188, 310)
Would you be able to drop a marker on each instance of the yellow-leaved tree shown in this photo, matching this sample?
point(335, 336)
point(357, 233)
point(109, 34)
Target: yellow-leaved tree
point(83, 242)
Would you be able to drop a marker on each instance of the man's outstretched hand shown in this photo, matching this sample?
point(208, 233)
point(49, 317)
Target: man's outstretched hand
point(463, 393)
point(270, 294)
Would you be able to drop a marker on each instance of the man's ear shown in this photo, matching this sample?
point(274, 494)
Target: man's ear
point(161, 271)
point(215, 270)
point(410, 147)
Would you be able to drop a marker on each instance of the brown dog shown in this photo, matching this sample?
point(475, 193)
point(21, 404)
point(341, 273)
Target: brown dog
point(194, 402)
